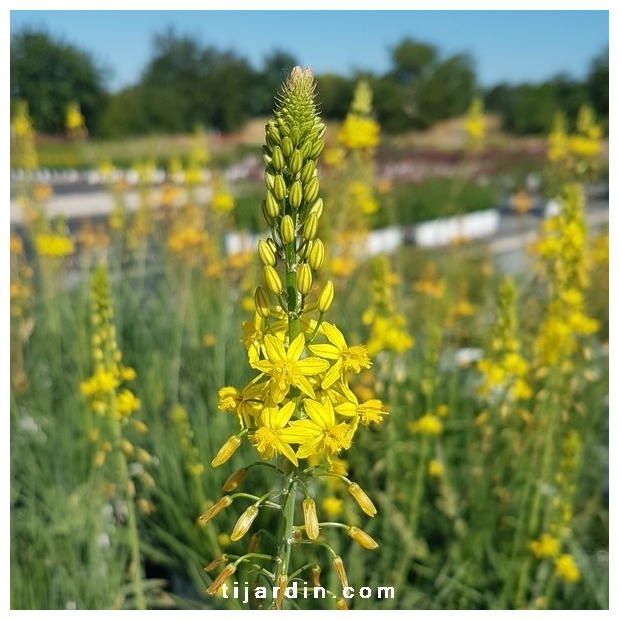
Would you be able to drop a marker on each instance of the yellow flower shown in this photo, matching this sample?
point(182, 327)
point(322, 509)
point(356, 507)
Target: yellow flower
point(52, 244)
point(545, 547)
point(126, 402)
point(332, 507)
point(348, 358)
point(246, 403)
point(426, 425)
point(268, 437)
point(287, 369)
point(358, 132)
point(436, 469)
point(319, 431)
point(566, 569)
point(223, 202)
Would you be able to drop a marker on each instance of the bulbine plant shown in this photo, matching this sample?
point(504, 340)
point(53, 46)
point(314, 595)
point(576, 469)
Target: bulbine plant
point(300, 407)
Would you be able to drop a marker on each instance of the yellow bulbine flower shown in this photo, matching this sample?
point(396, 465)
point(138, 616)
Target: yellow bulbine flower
point(223, 202)
point(358, 132)
point(545, 547)
point(286, 369)
point(367, 412)
point(127, 402)
point(267, 438)
point(566, 569)
point(354, 358)
point(319, 431)
point(426, 425)
point(51, 244)
point(246, 403)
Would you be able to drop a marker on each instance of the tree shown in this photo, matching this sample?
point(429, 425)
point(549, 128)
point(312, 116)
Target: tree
point(335, 93)
point(598, 84)
point(49, 74)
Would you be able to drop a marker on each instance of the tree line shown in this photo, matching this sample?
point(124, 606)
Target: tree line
point(186, 84)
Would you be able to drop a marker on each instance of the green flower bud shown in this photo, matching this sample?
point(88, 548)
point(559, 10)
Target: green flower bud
point(287, 146)
point(317, 255)
point(272, 205)
point(269, 179)
point(261, 302)
point(326, 297)
point(317, 207)
point(296, 194)
point(296, 161)
point(277, 158)
point(272, 279)
point(287, 229)
point(311, 227)
point(266, 254)
point(268, 219)
point(295, 135)
point(311, 191)
point(305, 149)
point(304, 250)
point(304, 278)
point(279, 187)
point(307, 172)
point(317, 149)
point(273, 134)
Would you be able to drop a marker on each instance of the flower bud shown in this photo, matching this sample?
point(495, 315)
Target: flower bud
point(222, 503)
point(266, 253)
point(269, 220)
point(317, 255)
point(359, 536)
point(244, 522)
point(287, 146)
point(228, 571)
point(311, 191)
point(281, 585)
point(226, 451)
point(340, 604)
point(316, 576)
point(215, 563)
point(277, 159)
point(261, 302)
point(339, 567)
point(273, 134)
point(317, 207)
point(279, 187)
point(310, 519)
point(272, 279)
point(296, 161)
point(305, 148)
point(307, 172)
point(287, 229)
point(272, 206)
point(254, 542)
point(362, 499)
point(326, 297)
point(296, 194)
point(235, 479)
point(304, 278)
point(311, 227)
point(295, 135)
point(269, 179)
point(317, 149)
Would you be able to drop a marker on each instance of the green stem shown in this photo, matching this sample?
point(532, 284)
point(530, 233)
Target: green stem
point(288, 521)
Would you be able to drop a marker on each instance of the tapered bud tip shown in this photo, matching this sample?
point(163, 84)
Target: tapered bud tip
point(226, 451)
point(362, 499)
point(360, 537)
point(235, 479)
point(326, 297)
point(339, 568)
point(244, 522)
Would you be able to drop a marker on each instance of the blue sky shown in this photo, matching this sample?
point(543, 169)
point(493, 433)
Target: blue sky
point(507, 46)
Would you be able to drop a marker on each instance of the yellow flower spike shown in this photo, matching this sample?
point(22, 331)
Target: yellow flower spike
point(360, 537)
point(228, 571)
point(244, 522)
point(364, 502)
point(310, 518)
point(338, 565)
point(222, 503)
point(226, 451)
